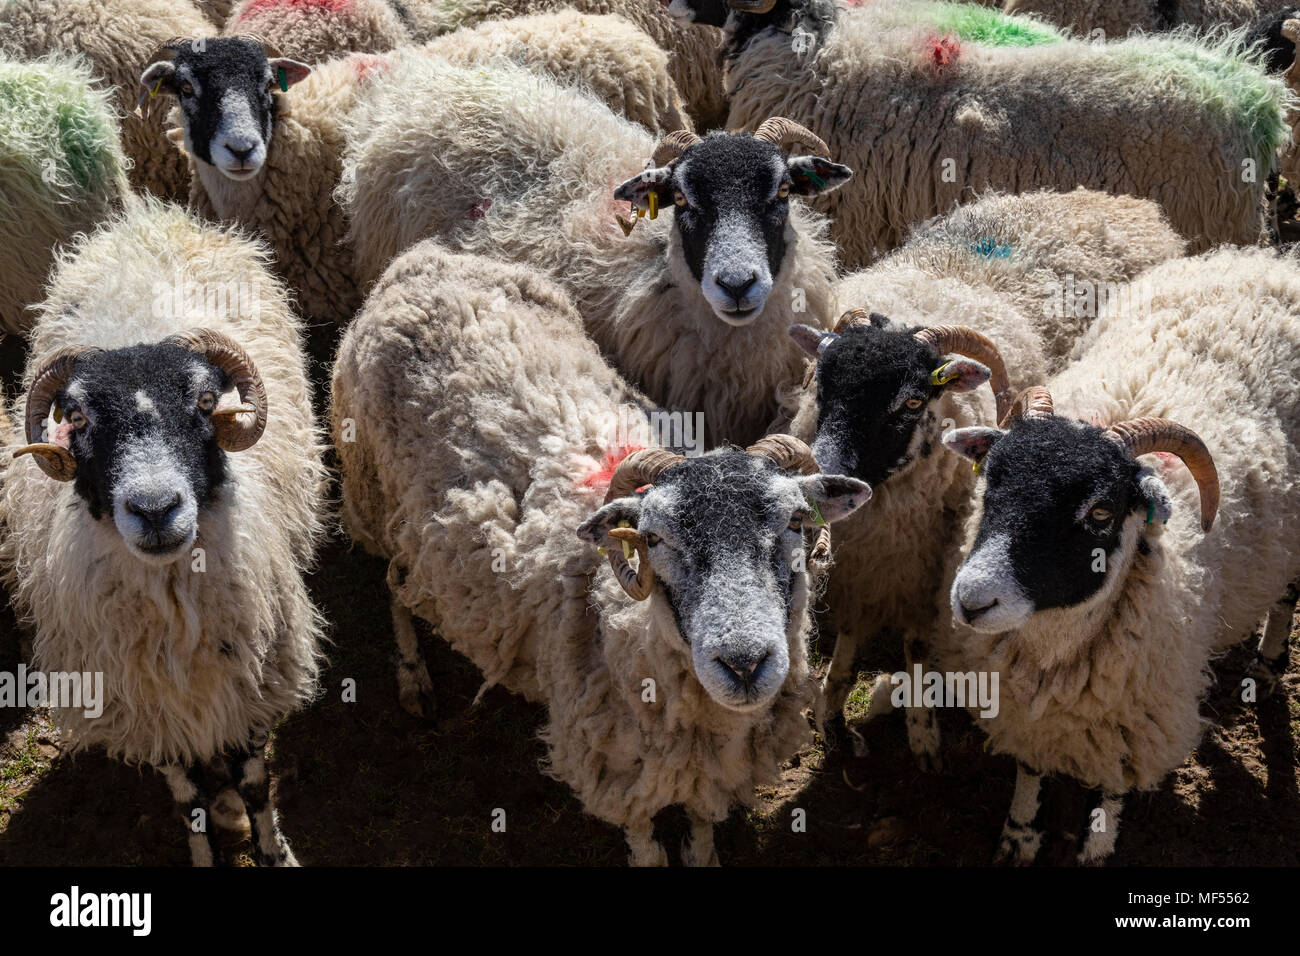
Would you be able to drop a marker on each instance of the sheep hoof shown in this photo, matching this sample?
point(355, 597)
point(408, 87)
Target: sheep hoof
point(652, 855)
point(689, 858)
point(419, 702)
point(928, 762)
point(1266, 674)
point(1019, 846)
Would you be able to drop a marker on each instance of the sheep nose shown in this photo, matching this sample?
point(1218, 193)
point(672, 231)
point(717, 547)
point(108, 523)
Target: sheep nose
point(971, 611)
point(744, 668)
point(737, 288)
point(157, 514)
point(241, 154)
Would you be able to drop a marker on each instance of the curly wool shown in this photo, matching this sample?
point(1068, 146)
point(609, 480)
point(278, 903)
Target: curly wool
point(116, 37)
point(62, 170)
point(1041, 112)
point(1116, 18)
point(694, 63)
point(192, 662)
point(1110, 697)
point(481, 410)
point(315, 30)
point(533, 181)
point(216, 10)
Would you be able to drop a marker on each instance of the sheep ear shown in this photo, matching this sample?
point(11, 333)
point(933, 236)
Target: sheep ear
point(1160, 504)
point(595, 528)
point(637, 189)
point(813, 341)
point(962, 374)
point(834, 496)
point(160, 77)
point(813, 176)
point(294, 72)
point(973, 442)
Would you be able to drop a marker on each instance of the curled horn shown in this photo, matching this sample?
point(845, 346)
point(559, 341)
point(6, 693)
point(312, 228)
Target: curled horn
point(751, 6)
point(673, 145)
point(965, 341)
point(780, 131)
point(52, 375)
point(1033, 402)
point(852, 317)
point(1142, 436)
point(227, 354)
point(637, 469)
point(270, 49)
point(786, 452)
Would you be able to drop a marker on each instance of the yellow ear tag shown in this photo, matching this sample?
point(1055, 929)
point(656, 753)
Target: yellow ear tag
point(58, 415)
point(154, 92)
point(937, 377)
point(654, 204)
point(976, 467)
point(627, 548)
point(640, 213)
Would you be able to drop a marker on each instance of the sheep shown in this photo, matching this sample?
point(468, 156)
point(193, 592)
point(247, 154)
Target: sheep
point(987, 287)
point(692, 307)
point(114, 36)
point(218, 11)
point(1115, 18)
point(1092, 584)
point(138, 544)
point(63, 171)
point(320, 29)
point(695, 62)
point(932, 103)
point(476, 425)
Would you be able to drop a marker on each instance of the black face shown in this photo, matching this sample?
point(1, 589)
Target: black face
point(1058, 491)
point(225, 96)
point(813, 18)
point(1279, 52)
point(874, 398)
point(137, 420)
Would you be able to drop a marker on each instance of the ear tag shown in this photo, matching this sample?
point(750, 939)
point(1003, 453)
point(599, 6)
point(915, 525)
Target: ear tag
point(640, 213)
point(654, 204)
point(627, 548)
point(58, 415)
point(937, 377)
point(1151, 511)
point(156, 87)
point(817, 515)
point(627, 225)
point(977, 467)
point(284, 80)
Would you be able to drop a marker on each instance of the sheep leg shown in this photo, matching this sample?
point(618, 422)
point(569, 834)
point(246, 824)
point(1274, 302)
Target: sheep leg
point(922, 722)
point(1274, 647)
point(270, 848)
point(700, 851)
point(190, 792)
point(414, 686)
point(646, 850)
point(835, 689)
point(1021, 839)
point(1103, 830)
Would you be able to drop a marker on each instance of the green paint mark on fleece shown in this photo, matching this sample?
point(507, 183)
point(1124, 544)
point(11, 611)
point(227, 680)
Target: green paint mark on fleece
point(976, 24)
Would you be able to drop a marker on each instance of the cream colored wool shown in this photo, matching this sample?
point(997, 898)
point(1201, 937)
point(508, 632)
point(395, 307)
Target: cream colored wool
point(217, 10)
point(481, 410)
point(192, 662)
point(694, 59)
point(1055, 115)
point(1117, 18)
point(117, 37)
point(62, 170)
point(533, 182)
point(988, 266)
point(312, 33)
point(1108, 694)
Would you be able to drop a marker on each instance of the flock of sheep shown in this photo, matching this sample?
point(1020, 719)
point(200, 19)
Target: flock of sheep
point(542, 229)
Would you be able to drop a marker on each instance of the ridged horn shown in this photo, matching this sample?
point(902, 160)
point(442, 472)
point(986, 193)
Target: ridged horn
point(1142, 436)
point(786, 452)
point(51, 376)
point(852, 317)
point(637, 469)
point(672, 146)
point(1033, 402)
point(751, 6)
point(639, 583)
point(233, 434)
point(781, 131)
point(961, 340)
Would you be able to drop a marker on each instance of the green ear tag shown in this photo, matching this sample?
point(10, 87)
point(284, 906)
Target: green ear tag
point(284, 80)
point(937, 377)
point(1151, 511)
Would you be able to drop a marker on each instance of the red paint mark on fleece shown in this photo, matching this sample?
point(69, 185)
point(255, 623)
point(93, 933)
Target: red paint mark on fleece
point(260, 6)
point(613, 458)
point(368, 65)
point(479, 209)
point(942, 51)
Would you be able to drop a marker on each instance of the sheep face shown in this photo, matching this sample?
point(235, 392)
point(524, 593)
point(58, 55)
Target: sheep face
point(225, 87)
point(137, 422)
point(1063, 514)
point(876, 396)
point(725, 536)
point(705, 13)
point(730, 193)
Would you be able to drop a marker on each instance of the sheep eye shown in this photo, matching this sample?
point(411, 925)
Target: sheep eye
point(77, 420)
point(783, 190)
point(207, 402)
point(796, 522)
point(187, 88)
point(914, 403)
point(1100, 515)
point(680, 199)
point(652, 539)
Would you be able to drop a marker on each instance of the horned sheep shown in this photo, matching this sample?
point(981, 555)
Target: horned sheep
point(970, 99)
point(157, 530)
point(692, 306)
point(1093, 584)
point(477, 428)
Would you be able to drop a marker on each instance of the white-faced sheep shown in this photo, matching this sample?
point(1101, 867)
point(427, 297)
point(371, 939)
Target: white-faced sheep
point(62, 171)
point(934, 103)
point(1093, 583)
point(482, 421)
point(695, 62)
point(691, 306)
point(116, 37)
point(317, 30)
point(1001, 287)
point(157, 531)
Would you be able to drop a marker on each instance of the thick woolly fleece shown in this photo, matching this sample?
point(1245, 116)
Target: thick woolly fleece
point(62, 170)
point(117, 38)
point(1117, 18)
point(1109, 694)
point(216, 10)
point(192, 663)
point(990, 266)
point(694, 59)
point(531, 179)
point(1016, 110)
point(314, 30)
point(481, 412)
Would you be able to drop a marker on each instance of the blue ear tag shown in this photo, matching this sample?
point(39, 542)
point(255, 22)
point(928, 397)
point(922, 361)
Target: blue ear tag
point(284, 80)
